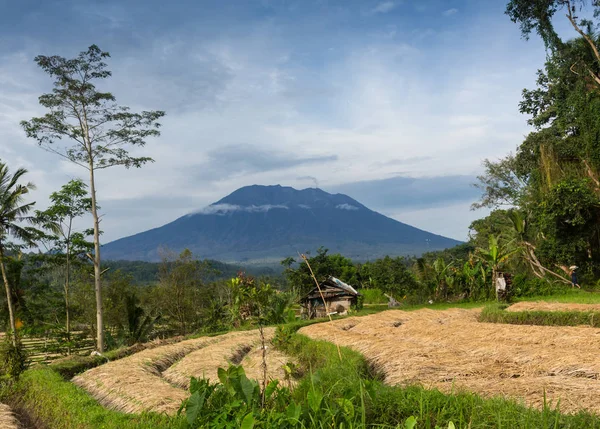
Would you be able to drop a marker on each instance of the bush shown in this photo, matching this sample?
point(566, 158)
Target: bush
point(13, 358)
point(524, 286)
point(373, 296)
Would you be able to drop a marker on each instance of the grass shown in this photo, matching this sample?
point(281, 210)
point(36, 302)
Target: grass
point(495, 313)
point(577, 296)
point(52, 402)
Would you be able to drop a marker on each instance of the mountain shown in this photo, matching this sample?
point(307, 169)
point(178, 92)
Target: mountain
point(264, 224)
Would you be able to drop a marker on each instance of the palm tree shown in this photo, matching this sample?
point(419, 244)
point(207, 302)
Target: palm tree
point(12, 213)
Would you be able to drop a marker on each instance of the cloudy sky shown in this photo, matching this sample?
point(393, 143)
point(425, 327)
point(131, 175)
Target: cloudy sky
point(394, 103)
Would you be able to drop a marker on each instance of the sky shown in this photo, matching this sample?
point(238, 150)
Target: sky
point(394, 103)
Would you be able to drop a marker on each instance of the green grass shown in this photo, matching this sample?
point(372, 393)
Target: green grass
point(52, 402)
point(577, 296)
point(496, 313)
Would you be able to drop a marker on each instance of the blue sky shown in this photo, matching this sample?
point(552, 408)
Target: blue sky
point(395, 102)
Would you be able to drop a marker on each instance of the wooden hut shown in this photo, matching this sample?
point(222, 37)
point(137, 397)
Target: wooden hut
point(339, 297)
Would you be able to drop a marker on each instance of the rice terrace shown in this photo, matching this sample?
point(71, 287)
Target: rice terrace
point(340, 214)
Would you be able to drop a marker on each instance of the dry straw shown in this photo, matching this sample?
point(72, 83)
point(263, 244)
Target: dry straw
point(451, 350)
point(157, 379)
point(7, 419)
point(243, 348)
point(135, 384)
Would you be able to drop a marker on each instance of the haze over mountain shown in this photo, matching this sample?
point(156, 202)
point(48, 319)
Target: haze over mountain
point(262, 224)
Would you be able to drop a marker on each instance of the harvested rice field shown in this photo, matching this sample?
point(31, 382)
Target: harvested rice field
point(243, 350)
point(157, 379)
point(450, 350)
point(552, 306)
point(7, 419)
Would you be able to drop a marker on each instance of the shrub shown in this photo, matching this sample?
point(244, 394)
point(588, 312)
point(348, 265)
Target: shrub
point(13, 358)
point(373, 296)
point(524, 286)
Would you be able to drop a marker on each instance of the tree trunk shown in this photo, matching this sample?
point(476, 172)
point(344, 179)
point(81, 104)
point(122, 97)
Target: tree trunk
point(494, 276)
point(11, 310)
point(67, 311)
point(97, 271)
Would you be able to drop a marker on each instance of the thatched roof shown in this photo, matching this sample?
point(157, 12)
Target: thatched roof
point(331, 288)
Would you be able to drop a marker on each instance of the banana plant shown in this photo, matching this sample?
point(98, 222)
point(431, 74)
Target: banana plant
point(497, 254)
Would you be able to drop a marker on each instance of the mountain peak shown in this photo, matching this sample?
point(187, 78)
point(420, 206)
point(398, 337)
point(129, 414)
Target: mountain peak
point(277, 195)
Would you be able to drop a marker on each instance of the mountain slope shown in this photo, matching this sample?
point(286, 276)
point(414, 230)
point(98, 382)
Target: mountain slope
point(268, 223)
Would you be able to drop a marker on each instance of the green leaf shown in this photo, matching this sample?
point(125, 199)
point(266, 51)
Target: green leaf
point(314, 399)
point(248, 387)
point(194, 406)
point(410, 422)
point(293, 411)
point(347, 407)
point(222, 374)
point(248, 422)
point(271, 388)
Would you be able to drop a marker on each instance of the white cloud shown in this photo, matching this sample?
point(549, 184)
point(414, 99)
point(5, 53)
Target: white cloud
point(346, 206)
point(450, 12)
point(384, 7)
point(222, 209)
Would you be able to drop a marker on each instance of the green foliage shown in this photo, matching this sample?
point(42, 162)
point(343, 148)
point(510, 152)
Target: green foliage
point(373, 296)
point(391, 275)
point(13, 359)
point(323, 266)
point(526, 286)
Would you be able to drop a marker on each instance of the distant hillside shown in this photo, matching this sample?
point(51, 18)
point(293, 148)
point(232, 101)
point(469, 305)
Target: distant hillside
point(147, 272)
point(264, 224)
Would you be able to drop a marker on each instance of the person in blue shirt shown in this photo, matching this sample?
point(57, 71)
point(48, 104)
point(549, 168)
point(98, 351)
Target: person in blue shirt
point(574, 277)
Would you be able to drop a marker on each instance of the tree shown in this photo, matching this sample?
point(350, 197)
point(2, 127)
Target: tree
point(99, 131)
point(12, 214)
point(180, 290)
point(538, 15)
point(496, 255)
point(71, 202)
point(323, 266)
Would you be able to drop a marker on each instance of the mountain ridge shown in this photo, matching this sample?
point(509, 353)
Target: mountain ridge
point(258, 223)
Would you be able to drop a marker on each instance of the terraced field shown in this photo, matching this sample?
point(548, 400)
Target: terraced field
point(451, 350)
point(157, 379)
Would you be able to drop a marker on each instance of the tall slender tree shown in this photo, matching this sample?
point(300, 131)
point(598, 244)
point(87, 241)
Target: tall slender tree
point(66, 205)
point(13, 213)
point(99, 131)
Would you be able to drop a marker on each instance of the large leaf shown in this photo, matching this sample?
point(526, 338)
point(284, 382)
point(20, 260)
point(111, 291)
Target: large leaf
point(194, 406)
point(410, 422)
point(248, 421)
